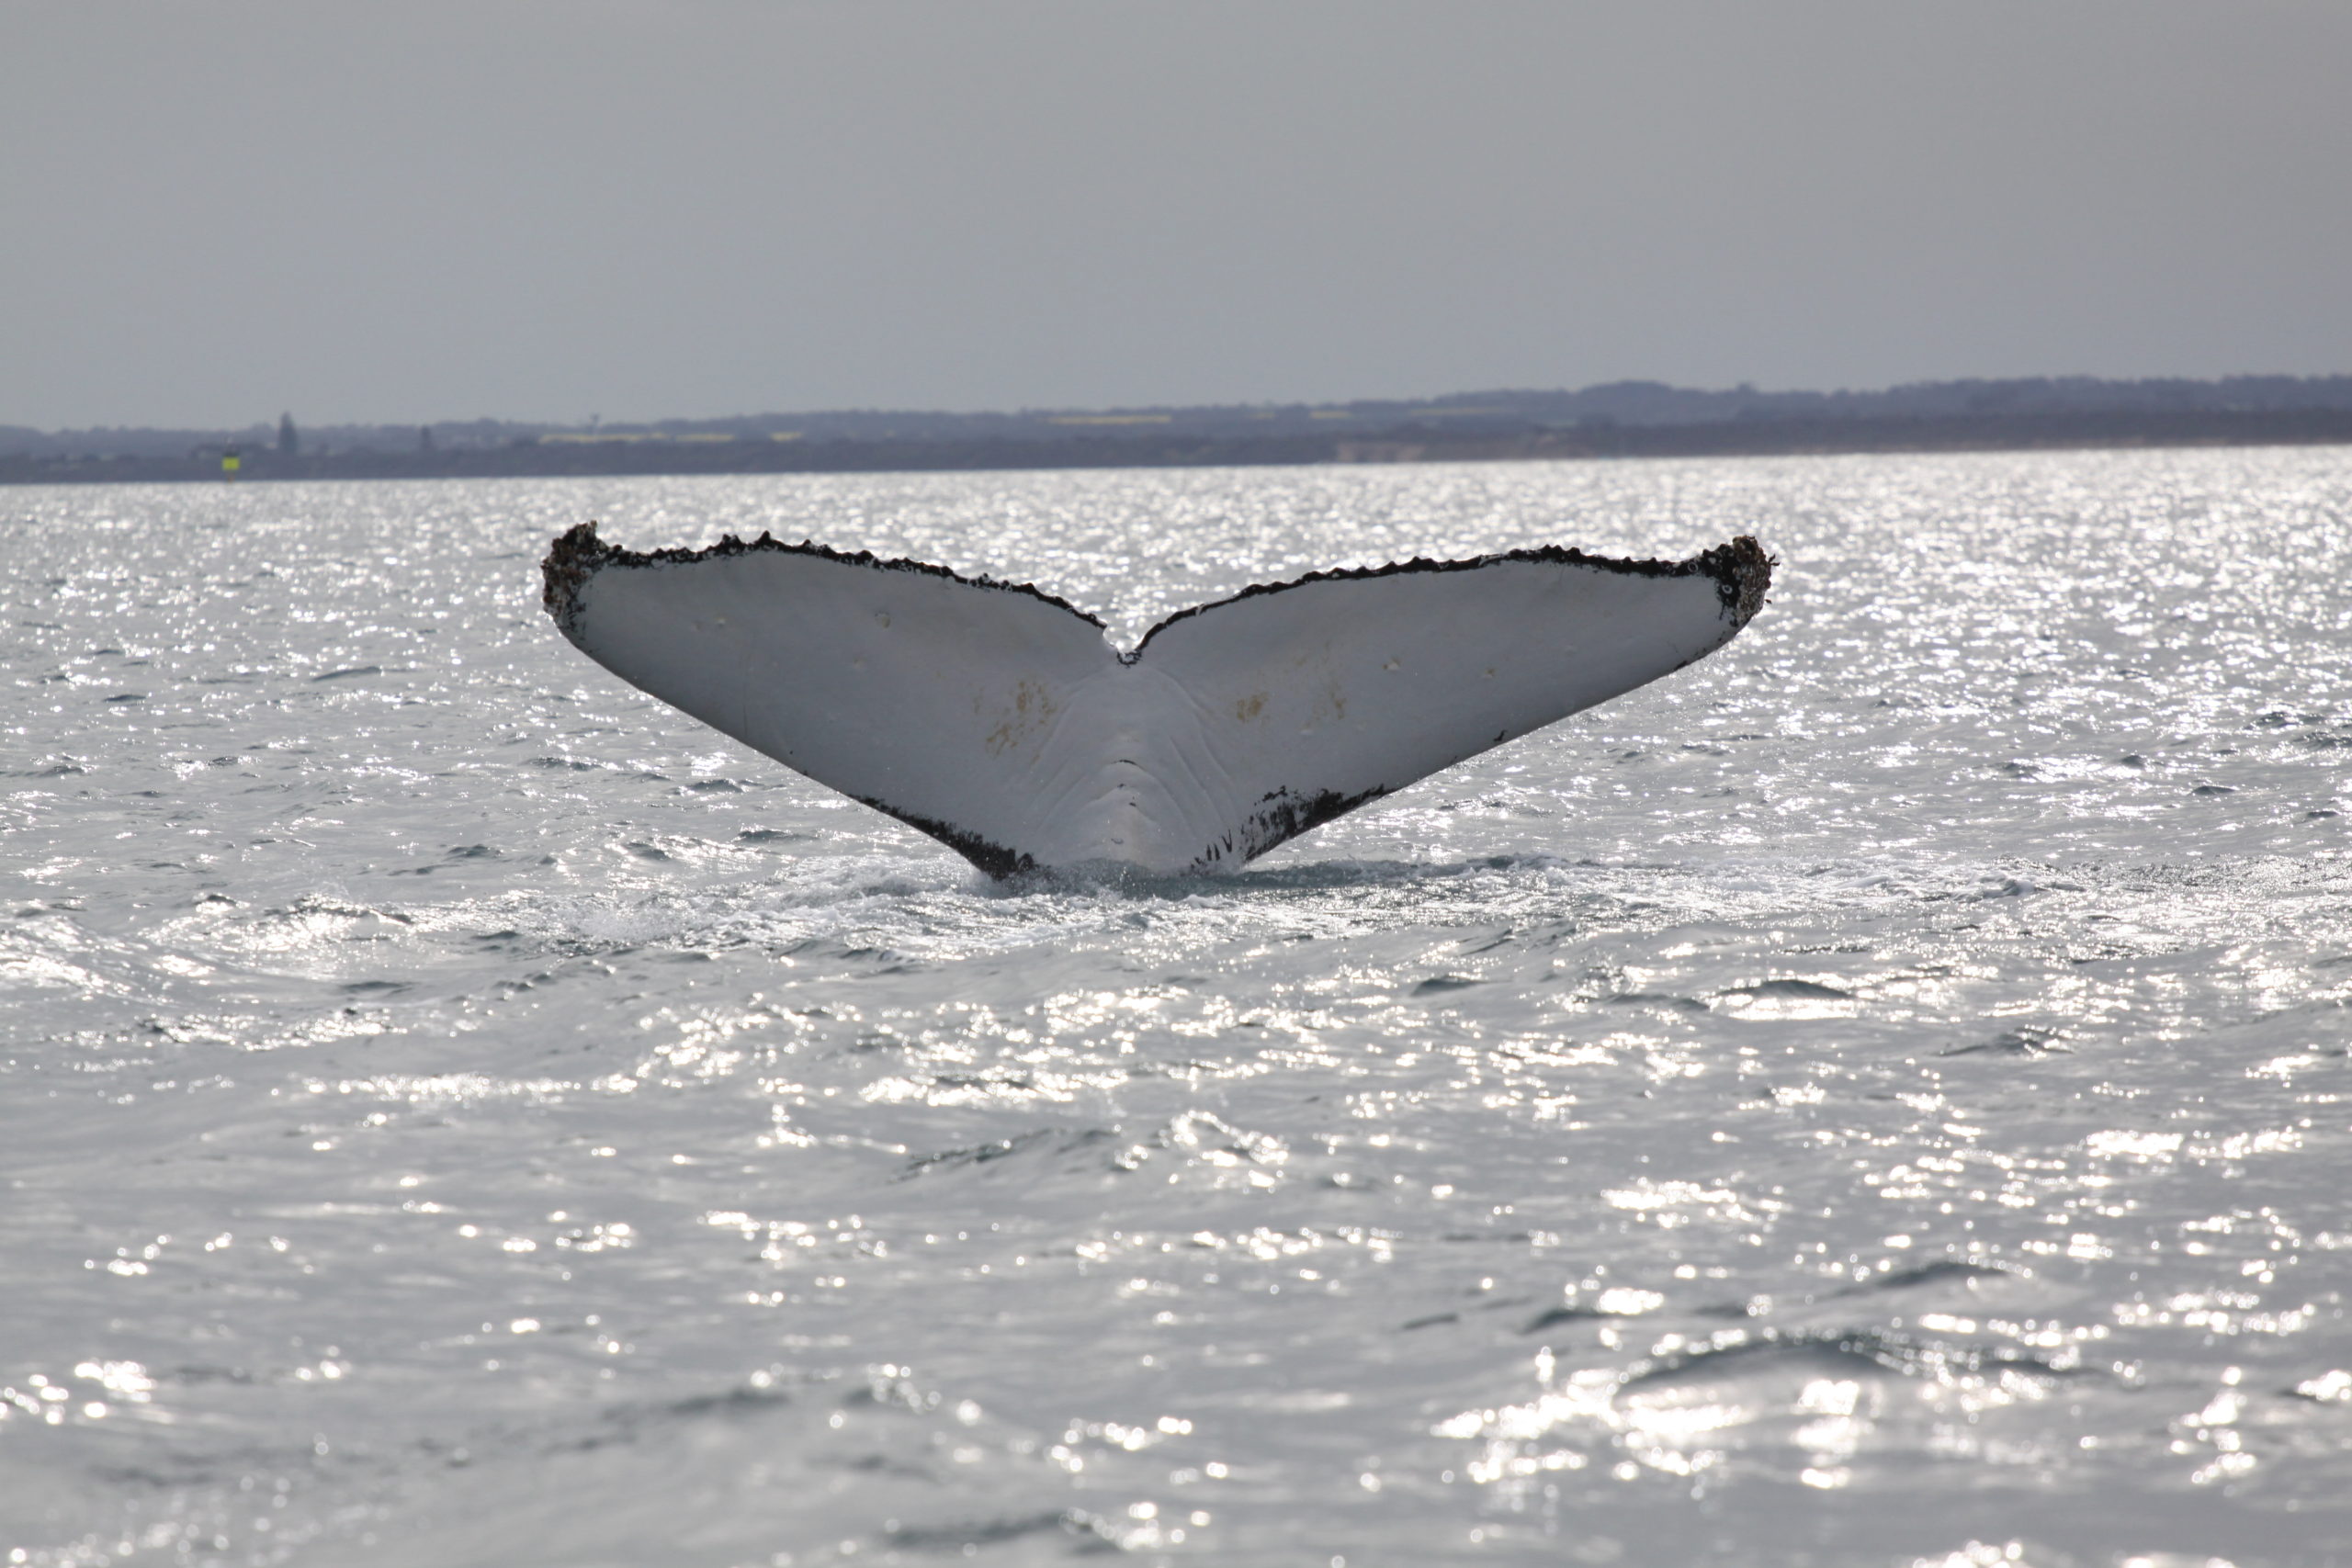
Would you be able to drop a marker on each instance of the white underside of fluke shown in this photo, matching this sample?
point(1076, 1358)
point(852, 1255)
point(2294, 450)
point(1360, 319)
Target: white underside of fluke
point(1001, 721)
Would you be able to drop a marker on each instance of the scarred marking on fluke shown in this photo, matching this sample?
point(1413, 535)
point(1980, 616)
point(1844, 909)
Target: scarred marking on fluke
point(1033, 712)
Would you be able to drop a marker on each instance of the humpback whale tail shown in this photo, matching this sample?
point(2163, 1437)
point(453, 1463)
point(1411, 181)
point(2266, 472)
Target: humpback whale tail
point(1000, 720)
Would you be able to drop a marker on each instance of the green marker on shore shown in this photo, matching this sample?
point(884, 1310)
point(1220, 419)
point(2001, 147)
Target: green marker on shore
point(229, 463)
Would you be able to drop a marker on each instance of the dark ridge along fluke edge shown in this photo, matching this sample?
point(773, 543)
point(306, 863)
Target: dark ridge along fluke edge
point(989, 856)
point(1741, 570)
point(578, 554)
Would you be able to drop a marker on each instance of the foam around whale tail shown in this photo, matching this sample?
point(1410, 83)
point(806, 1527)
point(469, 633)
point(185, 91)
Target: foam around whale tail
point(1001, 721)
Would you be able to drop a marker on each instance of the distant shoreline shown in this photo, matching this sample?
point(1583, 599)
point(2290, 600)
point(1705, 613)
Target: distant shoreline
point(1120, 445)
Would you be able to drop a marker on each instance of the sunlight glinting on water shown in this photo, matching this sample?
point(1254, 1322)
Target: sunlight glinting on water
point(1877, 1096)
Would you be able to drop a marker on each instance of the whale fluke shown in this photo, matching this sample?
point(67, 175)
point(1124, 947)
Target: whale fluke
point(1001, 721)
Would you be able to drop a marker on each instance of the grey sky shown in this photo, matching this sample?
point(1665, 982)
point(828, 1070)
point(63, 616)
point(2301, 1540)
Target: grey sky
point(212, 209)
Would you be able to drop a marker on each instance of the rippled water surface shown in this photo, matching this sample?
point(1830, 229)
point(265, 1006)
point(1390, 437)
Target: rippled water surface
point(1877, 1097)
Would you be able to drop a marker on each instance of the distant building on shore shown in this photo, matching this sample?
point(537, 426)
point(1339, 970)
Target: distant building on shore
point(289, 440)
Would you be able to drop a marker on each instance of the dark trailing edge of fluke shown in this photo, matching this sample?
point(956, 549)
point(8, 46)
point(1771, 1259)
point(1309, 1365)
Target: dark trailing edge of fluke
point(578, 554)
point(1741, 570)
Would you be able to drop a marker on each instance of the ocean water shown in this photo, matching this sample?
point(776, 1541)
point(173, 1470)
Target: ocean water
point(1876, 1097)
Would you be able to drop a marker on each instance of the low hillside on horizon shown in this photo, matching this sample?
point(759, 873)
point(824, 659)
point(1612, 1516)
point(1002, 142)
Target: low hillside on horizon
point(1619, 418)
